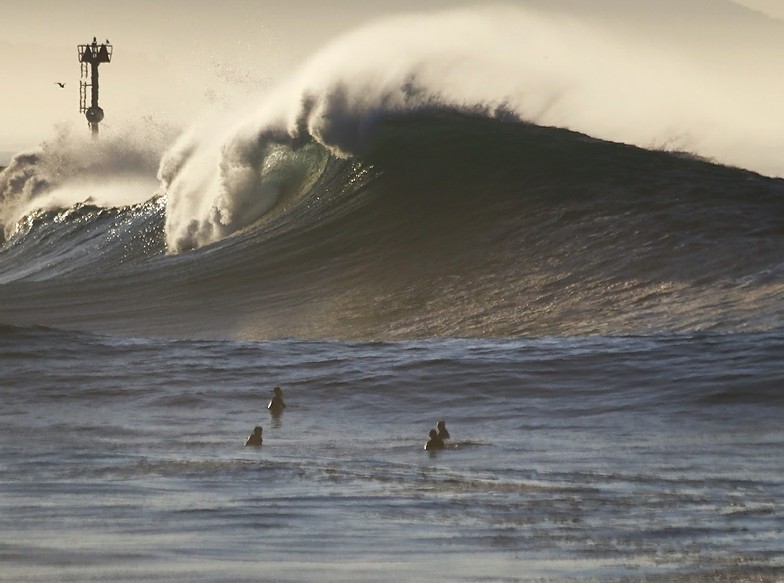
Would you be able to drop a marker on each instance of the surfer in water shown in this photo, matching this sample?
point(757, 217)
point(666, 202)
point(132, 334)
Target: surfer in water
point(443, 433)
point(434, 442)
point(255, 437)
point(276, 404)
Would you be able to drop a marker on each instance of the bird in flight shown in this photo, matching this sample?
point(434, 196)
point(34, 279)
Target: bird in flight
point(60, 84)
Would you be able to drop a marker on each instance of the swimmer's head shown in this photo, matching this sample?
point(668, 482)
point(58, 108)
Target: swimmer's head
point(257, 430)
point(276, 390)
point(433, 433)
point(441, 424)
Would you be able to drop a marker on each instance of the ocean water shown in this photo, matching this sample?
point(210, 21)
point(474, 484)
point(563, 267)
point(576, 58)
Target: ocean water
point(570, 459)
point(600, 324)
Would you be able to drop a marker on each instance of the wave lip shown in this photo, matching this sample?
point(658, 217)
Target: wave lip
point(210, 200)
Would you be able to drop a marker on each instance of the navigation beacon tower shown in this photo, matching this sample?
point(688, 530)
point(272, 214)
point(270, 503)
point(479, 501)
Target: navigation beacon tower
point(90, 56)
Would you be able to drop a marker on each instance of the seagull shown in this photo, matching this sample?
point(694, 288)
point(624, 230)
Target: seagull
point(60, 84)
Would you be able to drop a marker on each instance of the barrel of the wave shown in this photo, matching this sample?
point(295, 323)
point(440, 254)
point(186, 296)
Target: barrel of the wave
point(90, 56)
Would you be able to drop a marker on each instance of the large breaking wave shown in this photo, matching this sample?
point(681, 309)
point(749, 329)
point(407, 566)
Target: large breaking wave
point(544, 67)
point(402, 191)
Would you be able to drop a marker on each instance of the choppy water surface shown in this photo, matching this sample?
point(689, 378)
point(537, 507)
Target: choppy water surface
point(571, 459)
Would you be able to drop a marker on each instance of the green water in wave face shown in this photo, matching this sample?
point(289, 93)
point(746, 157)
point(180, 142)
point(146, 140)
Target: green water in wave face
point(601, 458)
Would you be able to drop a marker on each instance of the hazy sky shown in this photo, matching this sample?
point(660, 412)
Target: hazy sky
point(174, 59)
point(171, 57)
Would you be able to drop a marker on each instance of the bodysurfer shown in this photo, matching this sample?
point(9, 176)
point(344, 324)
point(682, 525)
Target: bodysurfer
point(255, 437)
point(434, 442)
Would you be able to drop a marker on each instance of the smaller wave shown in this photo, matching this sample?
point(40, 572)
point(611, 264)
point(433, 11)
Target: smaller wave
point(82, 239)
point(69, 170)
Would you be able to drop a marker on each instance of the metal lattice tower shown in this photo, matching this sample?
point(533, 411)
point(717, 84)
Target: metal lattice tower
point(90, 56)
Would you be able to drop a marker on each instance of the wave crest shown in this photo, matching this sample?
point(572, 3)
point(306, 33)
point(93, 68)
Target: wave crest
point(576, 72)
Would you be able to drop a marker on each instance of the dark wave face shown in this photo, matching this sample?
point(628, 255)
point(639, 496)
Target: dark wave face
point(446, 225)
